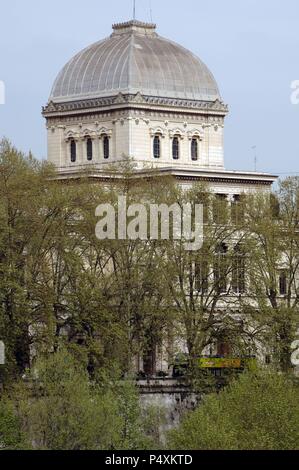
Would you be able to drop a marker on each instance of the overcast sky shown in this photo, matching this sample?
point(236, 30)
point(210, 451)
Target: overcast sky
point(251, 46)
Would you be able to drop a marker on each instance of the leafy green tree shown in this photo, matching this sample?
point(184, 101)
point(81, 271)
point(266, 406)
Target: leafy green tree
point(53, 283)
point(22, 189)
point(271, 241)
point(198, 284)
point(258, 411)
point(132, 291)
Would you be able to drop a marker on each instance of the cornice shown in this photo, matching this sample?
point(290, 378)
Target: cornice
point(136, 114)
point(136, 100)
point(225, 177)
point(131, 23)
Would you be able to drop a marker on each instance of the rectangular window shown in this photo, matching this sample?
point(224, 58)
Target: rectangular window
point(106, 147)
point(283, 287)
point(220, 209)
point(238, 273)
point(73, 151)
point(194, 150)
point(221, 269)
point(175, 148)
point(157, 147)
point(223, 348)
point(237, 210)
point(202, 276)
point(89, 149)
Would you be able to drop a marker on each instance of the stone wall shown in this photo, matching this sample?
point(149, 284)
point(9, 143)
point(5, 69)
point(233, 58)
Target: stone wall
point(172, 396)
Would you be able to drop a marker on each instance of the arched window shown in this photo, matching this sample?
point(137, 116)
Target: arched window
point(89, 149)
point(157, 146)
point(194, 149)
point(73, 151)
point(238, 270)
point(175, 148)
point(106, 147)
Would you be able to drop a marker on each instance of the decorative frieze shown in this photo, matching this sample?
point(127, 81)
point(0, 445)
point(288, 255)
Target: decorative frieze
point(195, 133)
point(156, 131)
point(176, 133)
point(138, 99)
point(82, 135)
point(114, 116)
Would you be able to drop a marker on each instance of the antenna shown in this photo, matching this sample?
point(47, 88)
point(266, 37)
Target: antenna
point(151, 10)
point(255, 157)
point(134, 9)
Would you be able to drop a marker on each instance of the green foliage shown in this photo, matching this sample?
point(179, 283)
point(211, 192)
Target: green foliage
point(259, 411)
point(272, 245)
point(103, 302)
point(132, 433)
point(63, 284)
point(58, 408)
point(61, 409)
point(10, 426)
point(154, 423)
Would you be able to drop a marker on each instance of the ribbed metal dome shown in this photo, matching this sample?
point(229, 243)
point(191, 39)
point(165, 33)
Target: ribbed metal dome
point(135, 59)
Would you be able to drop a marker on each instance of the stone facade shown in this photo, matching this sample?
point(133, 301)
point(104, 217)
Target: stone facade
point(175, 98)
point(131, 131)
point(131, 123)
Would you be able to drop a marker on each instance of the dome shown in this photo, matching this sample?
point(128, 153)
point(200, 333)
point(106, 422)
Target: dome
point(135, 59)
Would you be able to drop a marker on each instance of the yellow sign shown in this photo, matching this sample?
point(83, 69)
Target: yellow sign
point(220, 363)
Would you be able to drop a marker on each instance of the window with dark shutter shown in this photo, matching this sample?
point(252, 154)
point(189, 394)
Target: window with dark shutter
point(283, 283)
point(89, 149)
point(73, 151)
point(175, 148)
point(106, 147)
point(194, 150)
point(157, 147)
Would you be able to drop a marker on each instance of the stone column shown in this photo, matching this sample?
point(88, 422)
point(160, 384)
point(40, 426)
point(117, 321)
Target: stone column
point(100, 149)
point(82, 160)
point(96, 150)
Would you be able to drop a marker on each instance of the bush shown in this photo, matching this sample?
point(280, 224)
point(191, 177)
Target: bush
point(10, 427)
point(60, 409)
point(258, 411)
